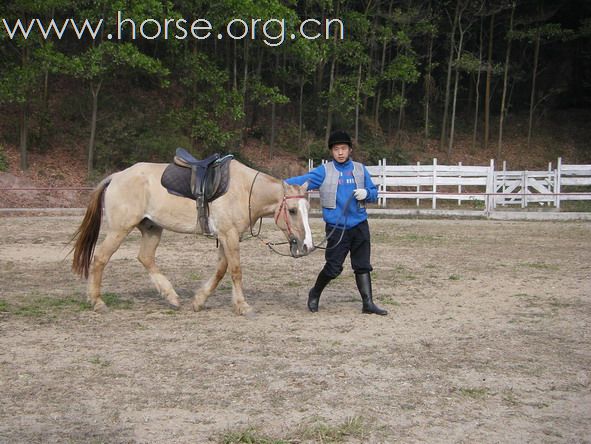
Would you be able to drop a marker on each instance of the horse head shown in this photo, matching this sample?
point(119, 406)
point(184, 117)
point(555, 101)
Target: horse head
point(292, 218)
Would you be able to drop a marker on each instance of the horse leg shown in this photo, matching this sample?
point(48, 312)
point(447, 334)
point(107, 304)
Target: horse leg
point(206, 289)
point(232, 250)
point(102, 255)
point(151, 234)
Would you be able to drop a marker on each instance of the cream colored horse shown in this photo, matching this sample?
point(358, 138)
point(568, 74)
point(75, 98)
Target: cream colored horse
point(134, 198)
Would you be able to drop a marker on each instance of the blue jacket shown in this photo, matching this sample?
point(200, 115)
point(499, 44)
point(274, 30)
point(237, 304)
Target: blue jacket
point(354, 214)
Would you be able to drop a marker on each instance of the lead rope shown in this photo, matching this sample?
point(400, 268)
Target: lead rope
point(325, 240)
point(271, 245)
point(249, 209)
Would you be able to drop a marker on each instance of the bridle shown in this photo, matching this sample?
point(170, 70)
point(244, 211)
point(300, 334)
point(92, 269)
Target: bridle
point(281, 211)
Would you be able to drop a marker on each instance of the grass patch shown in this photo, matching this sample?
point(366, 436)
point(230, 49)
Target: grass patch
point(353, 427)
point(404, 273)
point(388, 300)
point(97, 360)
point(249, 436)
point(113, 300)
point(454, 277)
point(510, 399)
point(194, 276)
point(45, 305)
point(317, 431)
point(579, 206)
point(539, 266)
point(474, 392)
point(414, 237)
point(556, 303)
point(3, 306)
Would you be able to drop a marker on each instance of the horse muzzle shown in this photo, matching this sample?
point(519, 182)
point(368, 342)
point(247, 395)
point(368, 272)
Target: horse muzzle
point(297, 248)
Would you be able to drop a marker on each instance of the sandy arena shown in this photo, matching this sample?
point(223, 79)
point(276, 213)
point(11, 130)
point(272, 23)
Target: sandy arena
point(487, 341)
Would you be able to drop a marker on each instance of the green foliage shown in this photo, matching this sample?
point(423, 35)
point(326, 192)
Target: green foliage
point(546, 32)
point(110, 58)
point(318, 151)
point(403, 68)
point(248, 436)
point(265, 95)
point(208, 103)
point(315, 430)
point(197, 86)
point(3, 160)
point(42, 306)
point(114, 301)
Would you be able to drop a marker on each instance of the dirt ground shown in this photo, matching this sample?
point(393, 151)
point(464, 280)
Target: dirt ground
point(487, 341)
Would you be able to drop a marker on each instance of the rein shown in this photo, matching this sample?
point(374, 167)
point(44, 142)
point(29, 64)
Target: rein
point(283, 209)
point(345, 215)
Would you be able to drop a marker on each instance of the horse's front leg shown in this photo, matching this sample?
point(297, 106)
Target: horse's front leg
point(231, 244)
point(206, 289)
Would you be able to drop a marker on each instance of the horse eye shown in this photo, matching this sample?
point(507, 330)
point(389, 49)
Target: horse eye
point(293, 211)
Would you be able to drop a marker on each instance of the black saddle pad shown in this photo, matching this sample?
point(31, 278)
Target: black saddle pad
point(177, 180)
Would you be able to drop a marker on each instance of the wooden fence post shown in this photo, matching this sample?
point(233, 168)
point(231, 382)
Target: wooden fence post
point(504, 183)
point(490, 189)
point(434, 187)
point(557, 180)
point(524, 189)
point(383, 201)
point(418, 187)
point(460, 185)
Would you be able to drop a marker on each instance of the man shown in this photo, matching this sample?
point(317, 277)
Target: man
point(344, 187)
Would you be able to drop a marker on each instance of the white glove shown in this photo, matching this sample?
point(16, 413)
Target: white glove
point(360, 193)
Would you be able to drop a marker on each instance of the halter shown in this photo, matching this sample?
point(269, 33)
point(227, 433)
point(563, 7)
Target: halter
point(281, 210)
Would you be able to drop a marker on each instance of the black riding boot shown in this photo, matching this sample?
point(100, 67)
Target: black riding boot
point(314, 295)
point(364, 285)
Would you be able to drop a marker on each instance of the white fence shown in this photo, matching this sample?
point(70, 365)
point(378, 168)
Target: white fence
point(481, 184)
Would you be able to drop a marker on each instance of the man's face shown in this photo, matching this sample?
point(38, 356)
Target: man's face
point(341, 152)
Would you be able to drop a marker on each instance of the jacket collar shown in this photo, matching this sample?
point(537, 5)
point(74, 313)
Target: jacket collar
point(345, 164)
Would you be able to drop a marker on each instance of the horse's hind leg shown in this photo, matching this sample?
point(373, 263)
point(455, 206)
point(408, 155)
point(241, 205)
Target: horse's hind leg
point(231, 245)
point(102, 255)
point(151, 234)
point(205, 291)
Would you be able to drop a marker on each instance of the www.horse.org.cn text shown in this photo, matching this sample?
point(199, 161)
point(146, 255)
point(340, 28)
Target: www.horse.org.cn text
point(272, 31)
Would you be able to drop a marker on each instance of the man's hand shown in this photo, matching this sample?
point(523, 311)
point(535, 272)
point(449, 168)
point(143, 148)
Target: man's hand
point(360, 193)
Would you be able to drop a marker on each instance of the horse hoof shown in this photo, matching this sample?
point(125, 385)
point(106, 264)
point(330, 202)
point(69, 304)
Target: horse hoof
point(244, 310)
point(175, 307)
point(250, 315)
point(101, 307)
point(197, 307)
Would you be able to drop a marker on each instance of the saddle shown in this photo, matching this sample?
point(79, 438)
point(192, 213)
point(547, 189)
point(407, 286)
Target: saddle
point(200, 180)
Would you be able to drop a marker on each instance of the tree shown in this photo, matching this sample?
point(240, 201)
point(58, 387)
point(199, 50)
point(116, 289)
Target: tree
point(206, 102)
point(103, 60)
point(25, 60)
point(535, 36)
point(264, 96)
point(502, 112)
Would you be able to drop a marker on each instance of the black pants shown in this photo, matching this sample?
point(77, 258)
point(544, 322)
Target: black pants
point(356, 241)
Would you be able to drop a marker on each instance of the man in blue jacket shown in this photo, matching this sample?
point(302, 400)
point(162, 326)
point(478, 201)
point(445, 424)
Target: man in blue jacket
point(344, 187)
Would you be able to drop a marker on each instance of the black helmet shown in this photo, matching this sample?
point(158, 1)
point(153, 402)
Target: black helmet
point(339, 137)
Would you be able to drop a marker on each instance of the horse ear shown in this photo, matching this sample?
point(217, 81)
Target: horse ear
point(305, 186)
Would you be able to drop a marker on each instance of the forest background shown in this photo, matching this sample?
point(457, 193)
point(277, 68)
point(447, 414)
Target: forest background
point(461, 80)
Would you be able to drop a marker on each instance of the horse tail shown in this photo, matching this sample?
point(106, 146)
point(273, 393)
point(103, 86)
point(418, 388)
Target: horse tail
point(87, 233)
